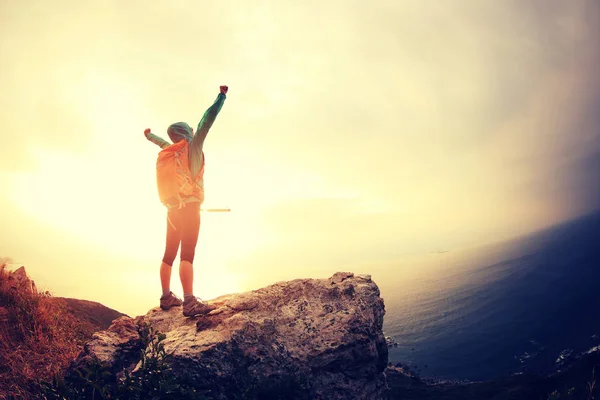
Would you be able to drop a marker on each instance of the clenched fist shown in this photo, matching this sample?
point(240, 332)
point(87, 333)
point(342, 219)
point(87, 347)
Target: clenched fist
point(223, 89)
point(146, 132)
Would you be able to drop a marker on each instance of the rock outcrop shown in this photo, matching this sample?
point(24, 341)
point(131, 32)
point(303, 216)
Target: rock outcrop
point(302, 339)
point(12, 282)
point(17, 281)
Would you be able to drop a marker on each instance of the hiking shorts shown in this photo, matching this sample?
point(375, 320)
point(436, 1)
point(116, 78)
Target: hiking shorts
point(183, 226)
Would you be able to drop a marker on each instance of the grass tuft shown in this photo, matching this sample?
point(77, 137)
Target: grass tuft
point(38, 339)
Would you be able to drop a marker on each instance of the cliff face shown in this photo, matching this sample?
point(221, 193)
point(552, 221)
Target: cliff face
point(302, 339)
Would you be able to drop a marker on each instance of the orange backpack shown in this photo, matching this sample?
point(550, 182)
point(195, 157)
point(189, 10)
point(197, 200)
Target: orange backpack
point(173, 177)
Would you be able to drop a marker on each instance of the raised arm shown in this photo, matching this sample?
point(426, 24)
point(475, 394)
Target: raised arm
point(157, 140)
point(209, 116)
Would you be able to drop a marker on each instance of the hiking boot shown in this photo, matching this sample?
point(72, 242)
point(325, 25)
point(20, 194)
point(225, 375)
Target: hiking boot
point(196, 306)
point(170, 301)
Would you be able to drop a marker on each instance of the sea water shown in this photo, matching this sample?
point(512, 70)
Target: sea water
point(519, 306)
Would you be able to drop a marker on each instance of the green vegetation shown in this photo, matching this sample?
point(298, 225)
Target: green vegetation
point(151, 379)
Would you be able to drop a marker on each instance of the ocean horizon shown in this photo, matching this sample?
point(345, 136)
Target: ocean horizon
point(518, 306)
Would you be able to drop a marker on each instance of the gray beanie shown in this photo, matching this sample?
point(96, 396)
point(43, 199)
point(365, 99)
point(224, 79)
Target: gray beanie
point(179, 131)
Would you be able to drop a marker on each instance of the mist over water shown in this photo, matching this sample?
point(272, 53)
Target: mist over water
point(501, 309)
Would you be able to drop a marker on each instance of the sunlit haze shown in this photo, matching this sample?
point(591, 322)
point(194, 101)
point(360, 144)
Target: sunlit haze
point(355, 135)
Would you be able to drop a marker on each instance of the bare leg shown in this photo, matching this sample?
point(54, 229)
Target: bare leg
point(168, 299)
point(165, 277)
point(189, 238)
point(186, 274)
point(172, 245)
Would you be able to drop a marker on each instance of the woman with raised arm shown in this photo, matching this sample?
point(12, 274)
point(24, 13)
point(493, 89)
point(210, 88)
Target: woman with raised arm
point(180, 170)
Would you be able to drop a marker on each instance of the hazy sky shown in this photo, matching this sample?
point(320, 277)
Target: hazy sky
point(354, 133)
